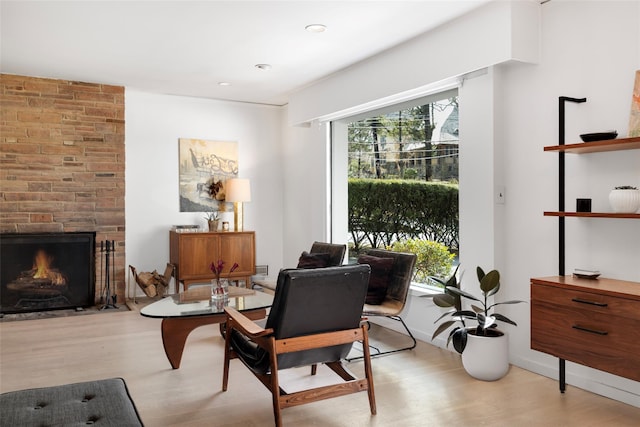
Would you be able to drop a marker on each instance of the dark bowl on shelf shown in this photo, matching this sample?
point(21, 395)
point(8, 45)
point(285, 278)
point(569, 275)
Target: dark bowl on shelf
point(599, 136)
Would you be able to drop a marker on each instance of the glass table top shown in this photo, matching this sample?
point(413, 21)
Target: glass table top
point(171, 306)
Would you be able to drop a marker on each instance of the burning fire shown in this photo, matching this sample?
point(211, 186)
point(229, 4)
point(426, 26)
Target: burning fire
point(42, 269)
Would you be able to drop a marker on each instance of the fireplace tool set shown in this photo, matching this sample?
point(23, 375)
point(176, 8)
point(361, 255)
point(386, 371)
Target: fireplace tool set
point(107, 251)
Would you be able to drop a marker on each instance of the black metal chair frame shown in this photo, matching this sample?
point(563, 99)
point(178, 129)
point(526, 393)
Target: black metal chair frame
point(396, 297)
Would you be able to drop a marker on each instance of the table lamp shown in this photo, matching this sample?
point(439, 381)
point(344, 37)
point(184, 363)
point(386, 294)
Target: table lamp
point(238, 191)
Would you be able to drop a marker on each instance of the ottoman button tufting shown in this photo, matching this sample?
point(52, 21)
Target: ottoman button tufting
point(105, 402)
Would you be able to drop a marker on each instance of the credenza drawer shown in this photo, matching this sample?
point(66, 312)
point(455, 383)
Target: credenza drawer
point(590, 301)
point(599, 331)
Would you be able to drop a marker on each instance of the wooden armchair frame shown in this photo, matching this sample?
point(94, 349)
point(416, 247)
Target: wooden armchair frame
point(318, 343)
point(281, 399)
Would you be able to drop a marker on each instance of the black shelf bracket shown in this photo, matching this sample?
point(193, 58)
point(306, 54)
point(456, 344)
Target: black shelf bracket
point(561, 181)
point(561, 208)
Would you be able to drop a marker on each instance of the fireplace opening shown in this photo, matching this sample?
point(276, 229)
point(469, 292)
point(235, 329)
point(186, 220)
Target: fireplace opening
point(47, 271)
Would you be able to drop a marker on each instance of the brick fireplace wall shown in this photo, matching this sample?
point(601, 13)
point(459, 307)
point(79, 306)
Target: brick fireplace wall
point(62, 162)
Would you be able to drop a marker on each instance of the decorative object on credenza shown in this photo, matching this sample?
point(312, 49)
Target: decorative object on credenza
point(625, 199)
point(599, 136)
point(586, 274)
point(238, 192)
point(213, 219)
point(186, 228)
point(583, 205)
point(204, 168)
point(634, 118)
point(484, 348)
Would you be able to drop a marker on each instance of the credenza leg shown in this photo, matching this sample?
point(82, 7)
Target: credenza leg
point(561, 379)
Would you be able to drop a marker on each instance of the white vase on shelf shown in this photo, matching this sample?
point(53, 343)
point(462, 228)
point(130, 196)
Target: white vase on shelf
point(625, 199)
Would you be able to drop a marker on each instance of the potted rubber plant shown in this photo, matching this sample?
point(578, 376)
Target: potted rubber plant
point(474, 334)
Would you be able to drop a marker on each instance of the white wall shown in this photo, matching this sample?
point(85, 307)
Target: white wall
point(154, 123)
point(305, 167)
point(497, 32)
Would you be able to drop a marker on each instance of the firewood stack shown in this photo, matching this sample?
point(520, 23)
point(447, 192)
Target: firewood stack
point(153, 284)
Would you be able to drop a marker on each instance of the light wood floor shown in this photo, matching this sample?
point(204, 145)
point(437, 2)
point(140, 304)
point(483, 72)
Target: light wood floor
point(423, 387)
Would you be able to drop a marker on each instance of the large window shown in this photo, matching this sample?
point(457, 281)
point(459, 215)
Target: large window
point(415, 143)
point(410, 151)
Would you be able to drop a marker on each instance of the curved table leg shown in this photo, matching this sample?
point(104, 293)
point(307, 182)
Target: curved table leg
point(175, 331)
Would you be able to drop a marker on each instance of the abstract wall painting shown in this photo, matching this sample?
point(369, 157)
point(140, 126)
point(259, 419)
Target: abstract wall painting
point(204, 168)
point(634, 119)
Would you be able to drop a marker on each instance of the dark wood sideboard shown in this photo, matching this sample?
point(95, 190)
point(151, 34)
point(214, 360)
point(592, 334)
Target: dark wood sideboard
point(192, 253)
point(595, 323)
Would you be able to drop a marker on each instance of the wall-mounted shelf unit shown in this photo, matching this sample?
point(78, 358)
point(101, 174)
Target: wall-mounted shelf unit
point(590, 322)
point(594, 214)
point(598, 146)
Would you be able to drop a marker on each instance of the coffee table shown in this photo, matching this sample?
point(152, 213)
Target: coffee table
point(182, 313)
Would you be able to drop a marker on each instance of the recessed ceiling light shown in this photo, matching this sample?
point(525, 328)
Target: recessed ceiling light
point(265, 67)
point(224, 84)
point(316, 28)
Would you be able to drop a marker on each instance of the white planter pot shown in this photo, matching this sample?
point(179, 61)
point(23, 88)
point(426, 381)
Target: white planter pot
point(486, 358)
point(625, 201)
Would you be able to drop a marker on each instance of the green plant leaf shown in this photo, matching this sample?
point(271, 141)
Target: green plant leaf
point(477, 309)
point(453, 282)
point(451, 334)
point(462, 293)
point(459, 339)
point(489, 281)
point(444, 326)
point(444, 300)
point(439, 280)
point(494, 290)
point(504, 319)
point(486, 321)
point(448, 313)
point(514, 301)
point(465, 313)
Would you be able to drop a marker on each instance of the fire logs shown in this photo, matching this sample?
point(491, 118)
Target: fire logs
point(153, 284)
point(42, 280)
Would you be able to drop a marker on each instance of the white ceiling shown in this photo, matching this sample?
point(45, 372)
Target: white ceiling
point(188, 47)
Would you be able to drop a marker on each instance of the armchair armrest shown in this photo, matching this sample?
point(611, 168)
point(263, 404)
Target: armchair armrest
point(245, 325)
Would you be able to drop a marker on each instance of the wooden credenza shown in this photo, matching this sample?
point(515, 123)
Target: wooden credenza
point(192, 253)
point(595, 323)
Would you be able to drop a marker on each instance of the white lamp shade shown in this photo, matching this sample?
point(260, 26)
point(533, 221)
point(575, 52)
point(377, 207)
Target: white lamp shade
point(237, 190)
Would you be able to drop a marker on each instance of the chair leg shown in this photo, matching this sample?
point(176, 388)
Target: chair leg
point(368, 372)
point(381, 353)
point(227, 357)
point(275, 385)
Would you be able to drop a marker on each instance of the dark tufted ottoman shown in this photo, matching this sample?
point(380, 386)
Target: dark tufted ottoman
point(101, 403)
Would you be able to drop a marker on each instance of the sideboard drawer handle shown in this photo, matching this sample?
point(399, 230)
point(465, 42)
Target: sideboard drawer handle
point(584, 301)
point(593, 331)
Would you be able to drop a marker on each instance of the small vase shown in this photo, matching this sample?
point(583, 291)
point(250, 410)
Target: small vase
point(625, 201)
point(213, 225)
point(219, 289)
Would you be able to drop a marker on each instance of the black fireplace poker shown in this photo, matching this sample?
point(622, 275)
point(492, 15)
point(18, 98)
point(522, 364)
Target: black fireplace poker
point(107, 249)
